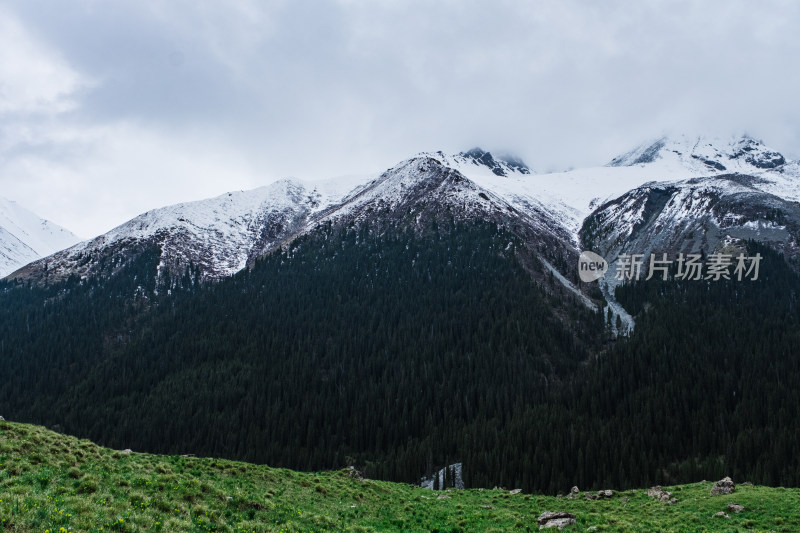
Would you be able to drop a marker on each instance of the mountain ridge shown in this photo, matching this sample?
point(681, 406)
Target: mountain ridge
point(712, 154)
point(223, 235)
point(25, 237)
point(217, 235)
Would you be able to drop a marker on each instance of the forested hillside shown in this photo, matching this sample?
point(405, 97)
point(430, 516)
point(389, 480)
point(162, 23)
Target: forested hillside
point(403, 352)
point(346, 348)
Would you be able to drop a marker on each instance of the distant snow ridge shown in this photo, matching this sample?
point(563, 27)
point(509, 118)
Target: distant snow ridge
point(25, 237)
point(705, 154)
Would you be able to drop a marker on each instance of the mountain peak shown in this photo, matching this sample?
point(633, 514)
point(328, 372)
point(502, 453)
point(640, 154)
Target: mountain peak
point(479, 160)
point(500, 165)
point(703, 154)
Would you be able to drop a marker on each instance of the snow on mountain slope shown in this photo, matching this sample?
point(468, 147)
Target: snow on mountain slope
point(230, 226)
point(679, 158)
point(694, 194)
point(25, 237)
point(477, 161)
point(703, 175)
point(557, 195)
point(698, 214)
point(782, 181)
point(568, 197)
point(704, 155)
point(573, 195)
point(218, 235)
point(424, 188)
point(421, 192)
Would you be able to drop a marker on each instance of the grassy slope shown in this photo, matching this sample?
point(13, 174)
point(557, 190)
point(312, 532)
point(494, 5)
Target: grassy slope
point(52, 482)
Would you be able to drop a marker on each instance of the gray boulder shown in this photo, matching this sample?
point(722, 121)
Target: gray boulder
point(659, 494)
point(559, 519)
point(723, 486)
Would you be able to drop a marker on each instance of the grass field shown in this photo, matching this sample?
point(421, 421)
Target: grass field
point(52, 483)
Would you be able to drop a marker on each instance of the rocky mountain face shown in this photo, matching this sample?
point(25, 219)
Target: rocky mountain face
point(709, 196)
point(692, 216)
point(25, 237)
point(724, 193)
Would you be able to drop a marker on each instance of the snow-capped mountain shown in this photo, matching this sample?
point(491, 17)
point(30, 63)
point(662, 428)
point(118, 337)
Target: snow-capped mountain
point(674, 194)
point(715, 191)
point(424, 189)
point(706, 195)
point(571, 196)
point(218, 235)
point(25, 237)
point(694, 215)
point(223, 235)
point(703, 154)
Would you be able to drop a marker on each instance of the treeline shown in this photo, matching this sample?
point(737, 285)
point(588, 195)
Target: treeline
point(401, 353)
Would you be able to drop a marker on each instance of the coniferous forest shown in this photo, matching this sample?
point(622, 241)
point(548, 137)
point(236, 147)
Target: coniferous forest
point(400, 353)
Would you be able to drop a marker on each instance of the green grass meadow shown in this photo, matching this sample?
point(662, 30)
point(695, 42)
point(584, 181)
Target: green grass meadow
point(52, 483)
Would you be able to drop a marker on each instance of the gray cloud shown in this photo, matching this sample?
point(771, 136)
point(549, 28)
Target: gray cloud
point(168, 101)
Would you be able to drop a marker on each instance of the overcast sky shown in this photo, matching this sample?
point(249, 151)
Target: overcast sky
point(111, 108)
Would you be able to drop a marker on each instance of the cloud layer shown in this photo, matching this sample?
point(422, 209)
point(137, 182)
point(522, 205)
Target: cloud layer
point(110, 109)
